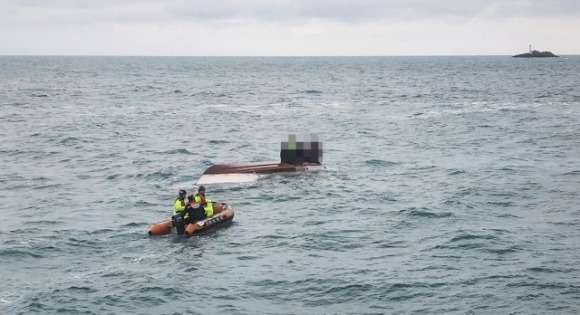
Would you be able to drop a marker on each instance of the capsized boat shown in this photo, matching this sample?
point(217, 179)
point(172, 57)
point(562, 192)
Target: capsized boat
point(297, 153)
point(248, 172)
point(223, 218)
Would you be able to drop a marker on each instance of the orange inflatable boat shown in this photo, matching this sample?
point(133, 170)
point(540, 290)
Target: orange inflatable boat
point(224, 217)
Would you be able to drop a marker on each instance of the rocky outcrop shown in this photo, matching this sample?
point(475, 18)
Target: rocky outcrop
point(535, 54)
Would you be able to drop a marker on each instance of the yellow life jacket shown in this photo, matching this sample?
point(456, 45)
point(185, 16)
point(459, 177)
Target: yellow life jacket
point(208, 208)
point(178, 207)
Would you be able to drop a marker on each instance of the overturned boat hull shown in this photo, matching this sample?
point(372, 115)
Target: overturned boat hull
point(224, 217)
point(247, 172)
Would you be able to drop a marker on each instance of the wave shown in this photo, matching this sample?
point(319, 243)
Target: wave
point(425, 213)
point(572, 173)
point(316, 92)
point(381, 163)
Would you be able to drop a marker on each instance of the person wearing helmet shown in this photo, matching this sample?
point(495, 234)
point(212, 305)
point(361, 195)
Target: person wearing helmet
point(179, 215)
point(207, 204)
point(179, 204)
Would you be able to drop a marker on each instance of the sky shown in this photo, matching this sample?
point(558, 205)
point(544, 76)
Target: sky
point(288, 27)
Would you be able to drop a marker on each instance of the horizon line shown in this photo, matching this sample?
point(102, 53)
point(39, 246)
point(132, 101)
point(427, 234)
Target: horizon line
point(261, 56)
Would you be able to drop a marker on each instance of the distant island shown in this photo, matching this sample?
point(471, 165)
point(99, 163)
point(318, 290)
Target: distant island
point(535, 53)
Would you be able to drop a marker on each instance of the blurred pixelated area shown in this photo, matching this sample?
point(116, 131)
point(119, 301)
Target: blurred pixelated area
point(300, 149)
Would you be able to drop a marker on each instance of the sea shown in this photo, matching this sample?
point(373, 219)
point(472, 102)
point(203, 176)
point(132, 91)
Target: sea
point(451, 185)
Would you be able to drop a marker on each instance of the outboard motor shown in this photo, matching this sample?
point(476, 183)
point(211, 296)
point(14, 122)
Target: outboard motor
point(177, 222)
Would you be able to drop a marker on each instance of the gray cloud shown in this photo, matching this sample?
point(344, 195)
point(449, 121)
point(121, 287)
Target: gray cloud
point(350, 11)
point(344, 10)
point(286, 27)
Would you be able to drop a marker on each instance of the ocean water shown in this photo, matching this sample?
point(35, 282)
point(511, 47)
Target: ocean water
point(451, 185)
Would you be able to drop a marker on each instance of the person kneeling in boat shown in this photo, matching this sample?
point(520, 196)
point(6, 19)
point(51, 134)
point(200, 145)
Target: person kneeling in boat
point(207, 204)
point(194, 210)
point(179, 214)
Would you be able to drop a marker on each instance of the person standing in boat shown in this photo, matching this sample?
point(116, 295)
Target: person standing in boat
point(194, 210)
point(207, 204)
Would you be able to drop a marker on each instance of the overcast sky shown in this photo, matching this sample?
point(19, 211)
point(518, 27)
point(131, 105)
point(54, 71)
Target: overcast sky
point(288, 27)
